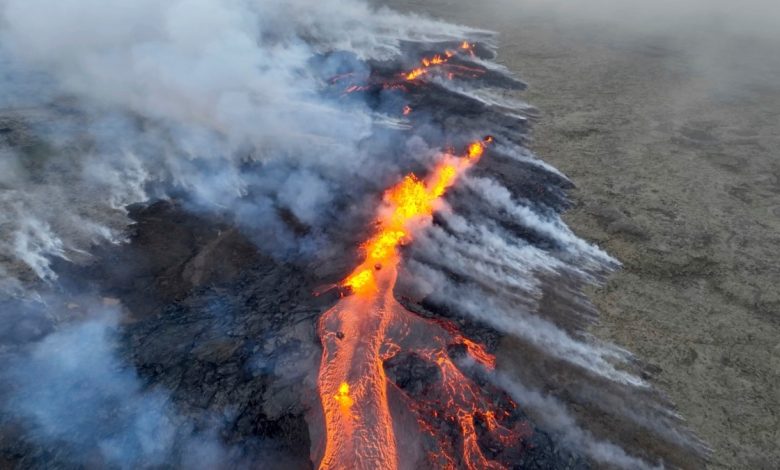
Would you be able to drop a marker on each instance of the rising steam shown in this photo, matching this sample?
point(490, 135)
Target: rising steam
point(140, 99)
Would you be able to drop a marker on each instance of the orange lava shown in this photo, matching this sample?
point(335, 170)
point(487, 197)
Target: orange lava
point(468, 47)
point(443, 61)
point(429, 63)
point(366, 329)
point(406, 205)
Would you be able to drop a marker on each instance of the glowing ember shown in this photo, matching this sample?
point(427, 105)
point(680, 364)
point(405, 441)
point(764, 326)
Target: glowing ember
point(405, 203)
point(450, 70)
point(466, 46)
point(363, 331)
point(476, 149)
point(427, 63)
point(356, 88)
point(416, 73)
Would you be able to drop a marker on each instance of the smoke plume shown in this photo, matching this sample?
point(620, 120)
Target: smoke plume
point(139, 100)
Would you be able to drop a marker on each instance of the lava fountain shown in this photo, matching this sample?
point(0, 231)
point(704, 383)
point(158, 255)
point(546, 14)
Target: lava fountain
point(370, 327)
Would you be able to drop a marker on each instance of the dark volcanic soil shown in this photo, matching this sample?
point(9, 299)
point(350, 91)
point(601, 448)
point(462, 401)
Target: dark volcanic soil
point(230, 333)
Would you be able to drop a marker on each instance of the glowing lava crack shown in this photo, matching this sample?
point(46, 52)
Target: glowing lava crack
point(370, 327)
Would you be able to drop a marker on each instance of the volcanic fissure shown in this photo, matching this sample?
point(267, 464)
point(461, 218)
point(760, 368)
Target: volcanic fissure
point(368, 328)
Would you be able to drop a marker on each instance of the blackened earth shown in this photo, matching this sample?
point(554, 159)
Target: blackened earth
point(230, 333)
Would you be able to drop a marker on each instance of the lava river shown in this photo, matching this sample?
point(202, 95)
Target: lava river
point(368, 328)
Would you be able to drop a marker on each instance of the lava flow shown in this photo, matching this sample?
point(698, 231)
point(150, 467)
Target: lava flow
point(369, 329)
point(427, 63)
point(443, 64)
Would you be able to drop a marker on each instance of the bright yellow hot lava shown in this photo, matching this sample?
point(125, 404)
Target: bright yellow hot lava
point(406, 202)
point(476, 149)
point(343, 397)
point(362, 330)
point(428, 62)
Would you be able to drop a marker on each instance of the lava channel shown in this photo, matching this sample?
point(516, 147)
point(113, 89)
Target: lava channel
point(438, 64)
point(368, 328)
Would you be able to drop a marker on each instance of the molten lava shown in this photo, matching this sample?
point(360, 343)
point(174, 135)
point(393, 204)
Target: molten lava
point(364, 331)
point(342, 396)
point(426, 64)
point(443, 62)
point(406, 204)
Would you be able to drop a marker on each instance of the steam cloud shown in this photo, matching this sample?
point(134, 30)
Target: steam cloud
point(185, 98)
point(75, 392)
point(555, 416)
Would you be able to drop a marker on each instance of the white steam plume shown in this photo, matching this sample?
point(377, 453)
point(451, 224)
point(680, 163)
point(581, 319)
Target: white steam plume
point(119, 101)
point(554, 416)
